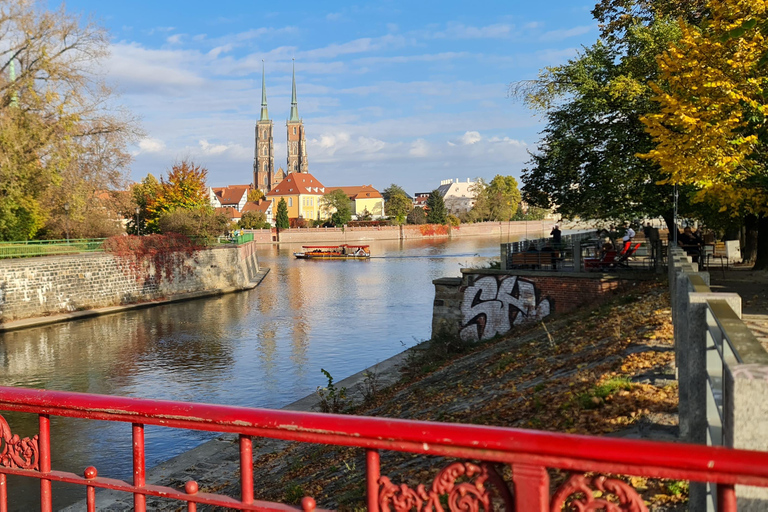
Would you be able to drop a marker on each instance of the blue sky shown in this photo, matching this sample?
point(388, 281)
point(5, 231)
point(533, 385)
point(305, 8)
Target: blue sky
point(390, 91)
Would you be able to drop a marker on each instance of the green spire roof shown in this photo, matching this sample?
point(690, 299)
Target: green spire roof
point(264, 113)
point(294, 103)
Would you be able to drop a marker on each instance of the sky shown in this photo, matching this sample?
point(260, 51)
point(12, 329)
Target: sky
point(405, 92)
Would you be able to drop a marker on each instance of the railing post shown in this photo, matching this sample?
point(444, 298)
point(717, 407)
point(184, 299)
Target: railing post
point(246, 469)
point(726, 498)
point(3, 493)
point(531, 488)
point(139, 474)
point(44, 444)
point(373, 472)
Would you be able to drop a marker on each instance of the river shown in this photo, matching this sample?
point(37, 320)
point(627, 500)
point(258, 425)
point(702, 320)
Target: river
point(260, 348)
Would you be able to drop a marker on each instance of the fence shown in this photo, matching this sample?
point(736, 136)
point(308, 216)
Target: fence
point(722, 372)
point(472, 480)
point(30, 248)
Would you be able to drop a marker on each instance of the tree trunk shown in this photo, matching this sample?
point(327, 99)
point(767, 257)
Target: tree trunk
point(761, 261)
point(669, 219)
point(749, 243)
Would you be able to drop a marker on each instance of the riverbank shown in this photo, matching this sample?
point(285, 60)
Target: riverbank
point(607, 371)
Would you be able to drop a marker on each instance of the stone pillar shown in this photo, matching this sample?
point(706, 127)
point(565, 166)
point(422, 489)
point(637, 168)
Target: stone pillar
point(446, 310)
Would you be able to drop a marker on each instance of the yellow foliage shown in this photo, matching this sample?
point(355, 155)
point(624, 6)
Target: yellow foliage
point(710, 84)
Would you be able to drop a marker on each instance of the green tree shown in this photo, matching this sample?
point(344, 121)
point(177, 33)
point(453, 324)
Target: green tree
point(416, 216)
point(61, 141)
point(337, 204)
point(281, 219)
point(397, 204)
point(143, 195)
point(436, 212)
point(201, 223)
point(253, 220)
point(586, 163)
point(503, 197)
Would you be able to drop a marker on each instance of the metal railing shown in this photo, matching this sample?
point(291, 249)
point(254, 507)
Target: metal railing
point(720, 368)
point(544, 254)
point(30, 248)
point(478, 453)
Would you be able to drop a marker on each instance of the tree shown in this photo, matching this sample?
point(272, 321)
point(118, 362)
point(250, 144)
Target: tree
point(586, 164)
point(436, 212)
point(417, 216)
point(201, 223)
point(503, 197)
point(254, 195)
point(58, 124)
point(397, 204)
point(183, 188)
point(281, 220)
point(254, 220)
point(143, 194)
point(337, 204)
point(711, 130)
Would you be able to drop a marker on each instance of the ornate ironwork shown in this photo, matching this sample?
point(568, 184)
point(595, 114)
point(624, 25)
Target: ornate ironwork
point(580, 490)
point(16, 452)
point(469, 496)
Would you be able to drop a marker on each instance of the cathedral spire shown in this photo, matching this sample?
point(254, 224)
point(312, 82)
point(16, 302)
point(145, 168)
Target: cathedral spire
point(264, 113)
point(294, 103)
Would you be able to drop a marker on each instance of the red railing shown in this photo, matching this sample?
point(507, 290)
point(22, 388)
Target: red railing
point(529, 453)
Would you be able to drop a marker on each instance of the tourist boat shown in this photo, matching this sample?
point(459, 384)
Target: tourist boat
point(334, 252)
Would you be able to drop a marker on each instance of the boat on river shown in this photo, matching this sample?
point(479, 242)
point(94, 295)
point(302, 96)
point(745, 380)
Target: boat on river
point(334, 252)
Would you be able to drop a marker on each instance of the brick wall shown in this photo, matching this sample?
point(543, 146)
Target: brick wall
point(31, 287)
point(484, 303)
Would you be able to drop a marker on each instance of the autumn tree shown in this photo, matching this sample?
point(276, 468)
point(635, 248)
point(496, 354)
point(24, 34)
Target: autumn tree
point(711, 129)
point(281, 219)
point(254, 195)
point(338, 206)
point(253, 220)
point(416, 216)
point(436, 212)
point(58, 125)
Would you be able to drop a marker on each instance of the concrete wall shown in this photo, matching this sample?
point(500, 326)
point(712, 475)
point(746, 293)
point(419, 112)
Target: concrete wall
point(33, 287)
point(484, 303)
point(361, 234)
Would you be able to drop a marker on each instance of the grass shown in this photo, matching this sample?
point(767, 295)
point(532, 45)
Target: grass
point(595, 397)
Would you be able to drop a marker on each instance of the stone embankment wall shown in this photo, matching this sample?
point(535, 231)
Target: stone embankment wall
point(34, 287)
point(483, 303)
point(362, 234)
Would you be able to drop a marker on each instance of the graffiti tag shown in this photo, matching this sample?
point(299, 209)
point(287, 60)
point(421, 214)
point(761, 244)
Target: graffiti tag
point(493, 304)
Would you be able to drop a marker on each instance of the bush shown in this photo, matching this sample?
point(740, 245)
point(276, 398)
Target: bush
point(453, 220)
point(254, 220)
point(417, 216)
point(204, 223)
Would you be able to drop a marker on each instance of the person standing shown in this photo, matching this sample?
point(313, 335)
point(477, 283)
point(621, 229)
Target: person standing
point(556, 234)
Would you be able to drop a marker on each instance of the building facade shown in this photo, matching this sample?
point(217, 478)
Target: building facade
point(365, 200)
point(302, 193)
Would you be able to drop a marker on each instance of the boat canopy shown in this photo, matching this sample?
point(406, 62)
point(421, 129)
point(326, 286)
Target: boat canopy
point(334, 246)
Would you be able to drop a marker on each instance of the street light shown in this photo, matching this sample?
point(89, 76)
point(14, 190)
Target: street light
point(138, 226)
point(66, 225)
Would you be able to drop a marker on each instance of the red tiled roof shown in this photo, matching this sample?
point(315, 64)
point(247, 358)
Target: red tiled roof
point(231, 194)
point(298, 183)
point(229, 212)
point(262, 206)
point(362, 192)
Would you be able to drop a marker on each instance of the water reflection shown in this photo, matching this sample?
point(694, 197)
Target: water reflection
point(260, 348)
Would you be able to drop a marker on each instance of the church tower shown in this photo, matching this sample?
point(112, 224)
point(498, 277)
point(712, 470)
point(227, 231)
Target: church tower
point(264, 158)
point(297, 142)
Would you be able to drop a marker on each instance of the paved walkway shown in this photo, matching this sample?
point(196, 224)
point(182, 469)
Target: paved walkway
point(752, 285)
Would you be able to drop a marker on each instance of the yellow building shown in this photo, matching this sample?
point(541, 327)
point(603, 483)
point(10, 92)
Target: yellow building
point(364, 198)
point(302, 192)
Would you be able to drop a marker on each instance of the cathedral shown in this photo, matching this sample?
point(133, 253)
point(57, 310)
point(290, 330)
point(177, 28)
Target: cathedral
point(265, 177)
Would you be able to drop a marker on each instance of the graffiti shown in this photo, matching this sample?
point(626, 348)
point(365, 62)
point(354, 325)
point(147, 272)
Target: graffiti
point(493, 304)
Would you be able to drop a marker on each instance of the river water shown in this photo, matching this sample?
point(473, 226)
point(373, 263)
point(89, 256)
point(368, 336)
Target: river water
point(260, 348)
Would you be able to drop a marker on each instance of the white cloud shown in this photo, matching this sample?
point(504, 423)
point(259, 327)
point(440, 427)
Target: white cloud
point(150, 145)
point(212, 149)
point(559, 35)
point(362, 45)
point(174, 39)
point(455, 30)
point(419, 148)
point(333, 16)
point(470, 138)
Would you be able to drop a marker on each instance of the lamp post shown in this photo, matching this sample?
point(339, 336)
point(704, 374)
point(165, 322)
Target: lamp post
point(66, 225)
point(138, 218)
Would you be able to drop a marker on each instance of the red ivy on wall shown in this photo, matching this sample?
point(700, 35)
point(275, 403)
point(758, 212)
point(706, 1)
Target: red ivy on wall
point(165, 253)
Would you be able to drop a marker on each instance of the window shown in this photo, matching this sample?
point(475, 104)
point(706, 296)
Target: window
point(290, 201)
point(294, 130)
point(265, 181)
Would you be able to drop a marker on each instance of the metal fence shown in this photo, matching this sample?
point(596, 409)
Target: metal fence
point(471, 479)
point(722, 373)
point(30, 248)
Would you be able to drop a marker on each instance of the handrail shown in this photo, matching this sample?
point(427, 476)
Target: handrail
point(32, 248)
point(520, 448)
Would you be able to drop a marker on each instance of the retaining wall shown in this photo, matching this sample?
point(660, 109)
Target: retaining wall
point(34, 287)
point(358, 234)
point(483, 303)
